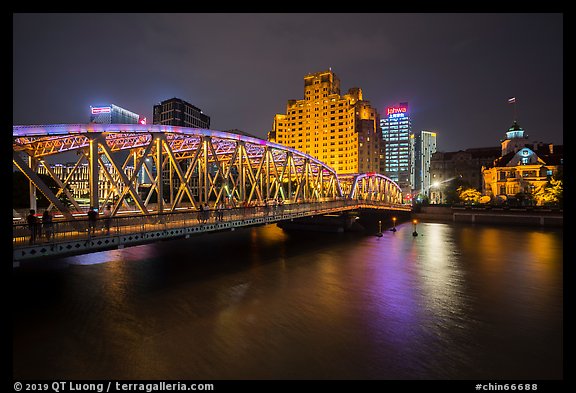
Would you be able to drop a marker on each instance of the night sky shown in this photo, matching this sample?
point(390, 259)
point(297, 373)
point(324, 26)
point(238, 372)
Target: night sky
point(456, 71)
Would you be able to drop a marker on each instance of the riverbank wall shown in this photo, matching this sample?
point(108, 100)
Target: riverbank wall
point(481, 215)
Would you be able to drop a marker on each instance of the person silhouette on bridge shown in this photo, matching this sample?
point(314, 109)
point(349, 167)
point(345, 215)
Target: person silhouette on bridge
point(200, 213)
point(92, 218)
point(47, 224)
point(32, 225)
point(206, 211)
point(220, 211)
point(107, 217)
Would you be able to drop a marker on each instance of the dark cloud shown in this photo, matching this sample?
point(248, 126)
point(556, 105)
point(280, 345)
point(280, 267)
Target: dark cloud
point(455, 70)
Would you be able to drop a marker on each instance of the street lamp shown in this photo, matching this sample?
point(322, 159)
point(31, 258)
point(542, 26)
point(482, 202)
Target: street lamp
point(379, 234)
point(393, 224)
point(414, 222)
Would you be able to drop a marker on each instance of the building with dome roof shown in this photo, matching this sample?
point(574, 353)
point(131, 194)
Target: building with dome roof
point(523, 166)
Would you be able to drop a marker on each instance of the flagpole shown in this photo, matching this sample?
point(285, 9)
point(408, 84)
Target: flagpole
point(512, 100)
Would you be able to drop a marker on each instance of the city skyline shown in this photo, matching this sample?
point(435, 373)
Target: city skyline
point(457, 71)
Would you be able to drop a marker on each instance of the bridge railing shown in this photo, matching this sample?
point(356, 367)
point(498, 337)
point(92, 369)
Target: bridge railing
point(63, 230)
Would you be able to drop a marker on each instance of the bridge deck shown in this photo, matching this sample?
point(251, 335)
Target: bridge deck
point(73, 237)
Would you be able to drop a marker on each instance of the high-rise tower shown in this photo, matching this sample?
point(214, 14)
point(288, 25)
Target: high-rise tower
point(396, 127)
point(340, 130)
point(422, 146)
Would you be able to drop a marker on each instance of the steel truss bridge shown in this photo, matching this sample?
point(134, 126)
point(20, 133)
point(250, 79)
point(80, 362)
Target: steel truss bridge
point(184, 168)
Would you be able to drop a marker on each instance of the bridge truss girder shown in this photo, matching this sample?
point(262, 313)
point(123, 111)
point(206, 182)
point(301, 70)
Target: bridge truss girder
point(195, 165)
point(371, 187)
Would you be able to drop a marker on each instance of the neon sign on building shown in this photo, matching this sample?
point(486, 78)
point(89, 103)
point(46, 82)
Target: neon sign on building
point(100, 109)
point(396, 110)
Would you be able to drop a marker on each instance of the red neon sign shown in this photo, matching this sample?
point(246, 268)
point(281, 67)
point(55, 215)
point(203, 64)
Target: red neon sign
point(100, 109)
point(396, 109)
point(142, 120)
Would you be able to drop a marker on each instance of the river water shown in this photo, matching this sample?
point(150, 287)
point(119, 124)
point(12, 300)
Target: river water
point(459, 301)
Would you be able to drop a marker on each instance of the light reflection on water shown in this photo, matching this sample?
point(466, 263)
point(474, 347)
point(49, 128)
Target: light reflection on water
point(455, 302)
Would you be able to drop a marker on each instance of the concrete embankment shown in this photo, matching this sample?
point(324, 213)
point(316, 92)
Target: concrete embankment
point(511, 216)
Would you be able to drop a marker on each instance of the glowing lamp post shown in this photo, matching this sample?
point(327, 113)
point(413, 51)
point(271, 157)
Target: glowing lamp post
point(414, 222)
point(379, 234)
point(393, 224)
point(436, 187)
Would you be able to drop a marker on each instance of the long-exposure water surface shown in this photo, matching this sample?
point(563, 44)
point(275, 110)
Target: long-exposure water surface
point(456, 302)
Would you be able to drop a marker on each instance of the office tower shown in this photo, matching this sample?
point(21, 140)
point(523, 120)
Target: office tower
point(112, 114)
point(177, 112)
point(396, 128)
point(422, 146)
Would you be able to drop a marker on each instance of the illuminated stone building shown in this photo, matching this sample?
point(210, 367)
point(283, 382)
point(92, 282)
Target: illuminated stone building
point(522, 167)
point(340, 130)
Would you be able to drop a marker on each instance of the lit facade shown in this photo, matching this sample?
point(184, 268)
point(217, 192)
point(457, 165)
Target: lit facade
point(464, 165)
point(339, 130)
point(422, 146)
point(78, 179)
point(523, 167)
point(113, 114)
point(396, 128)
